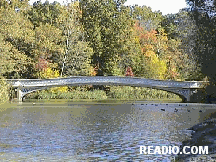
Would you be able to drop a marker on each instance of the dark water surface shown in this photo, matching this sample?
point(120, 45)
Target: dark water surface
point(94, 131)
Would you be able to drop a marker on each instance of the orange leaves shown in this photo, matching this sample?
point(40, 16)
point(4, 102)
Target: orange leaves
point(149, 54)
point(129, 72)
point(93, 71)
point(158, 54)
point(42, 64)
point(149, 36)
point(147, 47)
point(145, 35)
point(152, 45)
point(151, 40)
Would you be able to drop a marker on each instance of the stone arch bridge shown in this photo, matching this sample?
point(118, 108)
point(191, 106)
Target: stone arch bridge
point(182, 88)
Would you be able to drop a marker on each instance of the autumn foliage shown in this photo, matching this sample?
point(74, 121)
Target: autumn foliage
point(42, 64)
point(129, 72)
point(72, 40)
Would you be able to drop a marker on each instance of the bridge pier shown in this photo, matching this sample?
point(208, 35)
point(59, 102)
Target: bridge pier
point(185, 94)
point(19, 94)
point(187, 98)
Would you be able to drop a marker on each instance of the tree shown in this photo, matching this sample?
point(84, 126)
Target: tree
point(44, 13)
point(60, 37)
point(107, 26)
point(147, 19)
point(181, 30)
point(203, 12)
point(75, 60)
point(153, 47)
point(14, 64)
point(16, 38)
point(129, 72)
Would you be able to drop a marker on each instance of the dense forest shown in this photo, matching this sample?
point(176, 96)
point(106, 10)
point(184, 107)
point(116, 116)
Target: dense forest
point(105, 37)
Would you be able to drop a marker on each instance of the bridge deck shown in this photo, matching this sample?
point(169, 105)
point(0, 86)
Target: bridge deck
point(105, 80)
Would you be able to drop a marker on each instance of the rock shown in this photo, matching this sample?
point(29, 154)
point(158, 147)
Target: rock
point(204, 134)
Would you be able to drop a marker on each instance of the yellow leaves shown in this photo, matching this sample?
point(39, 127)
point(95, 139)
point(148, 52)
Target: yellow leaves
point(58, 89)
point(136, 39)
point(150, 54)
point(63, 89)
point(75, 4)
point(52, 73)
point(154, 48)
point(162, 31)
point(164, 38)
point(165, 46)
point(162, 68)
point(92, 71)
point(156, 66)
point(147, 47)
point(48, 73)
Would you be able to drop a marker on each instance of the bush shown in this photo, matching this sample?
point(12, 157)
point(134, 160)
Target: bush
point(78, 93)
point(4, 91)
point(115, 92)
point(138, 93)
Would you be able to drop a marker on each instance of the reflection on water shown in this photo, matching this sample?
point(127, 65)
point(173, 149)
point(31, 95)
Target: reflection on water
point(94, 131)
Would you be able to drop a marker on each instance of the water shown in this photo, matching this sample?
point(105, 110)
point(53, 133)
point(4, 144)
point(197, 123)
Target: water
point(87, 131)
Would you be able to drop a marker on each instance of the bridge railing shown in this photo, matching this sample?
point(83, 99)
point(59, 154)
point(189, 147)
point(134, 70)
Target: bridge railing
point(105, 80)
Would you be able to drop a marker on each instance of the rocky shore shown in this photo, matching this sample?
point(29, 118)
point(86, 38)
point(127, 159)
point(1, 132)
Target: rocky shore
point(203, 134)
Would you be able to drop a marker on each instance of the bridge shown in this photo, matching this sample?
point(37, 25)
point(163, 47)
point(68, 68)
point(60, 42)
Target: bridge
point(182, 88)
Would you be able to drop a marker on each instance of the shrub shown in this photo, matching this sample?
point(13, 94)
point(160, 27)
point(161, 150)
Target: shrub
point(4, 91)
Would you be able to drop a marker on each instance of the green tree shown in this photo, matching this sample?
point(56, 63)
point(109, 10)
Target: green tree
point(107, 26)
point(181, 30)
point(14, 64)
point(204, 14)
point(76, 58)
point(147, 19)
point(60, 37)
point(43, 13)
point(16, 38)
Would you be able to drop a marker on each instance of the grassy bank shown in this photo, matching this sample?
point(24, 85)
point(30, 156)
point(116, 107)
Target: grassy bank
point(137, 93)
point(111, 92)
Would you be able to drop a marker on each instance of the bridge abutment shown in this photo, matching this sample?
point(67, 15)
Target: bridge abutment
point(19, 94)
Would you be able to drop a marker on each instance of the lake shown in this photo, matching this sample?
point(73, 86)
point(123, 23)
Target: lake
point(95, 131)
